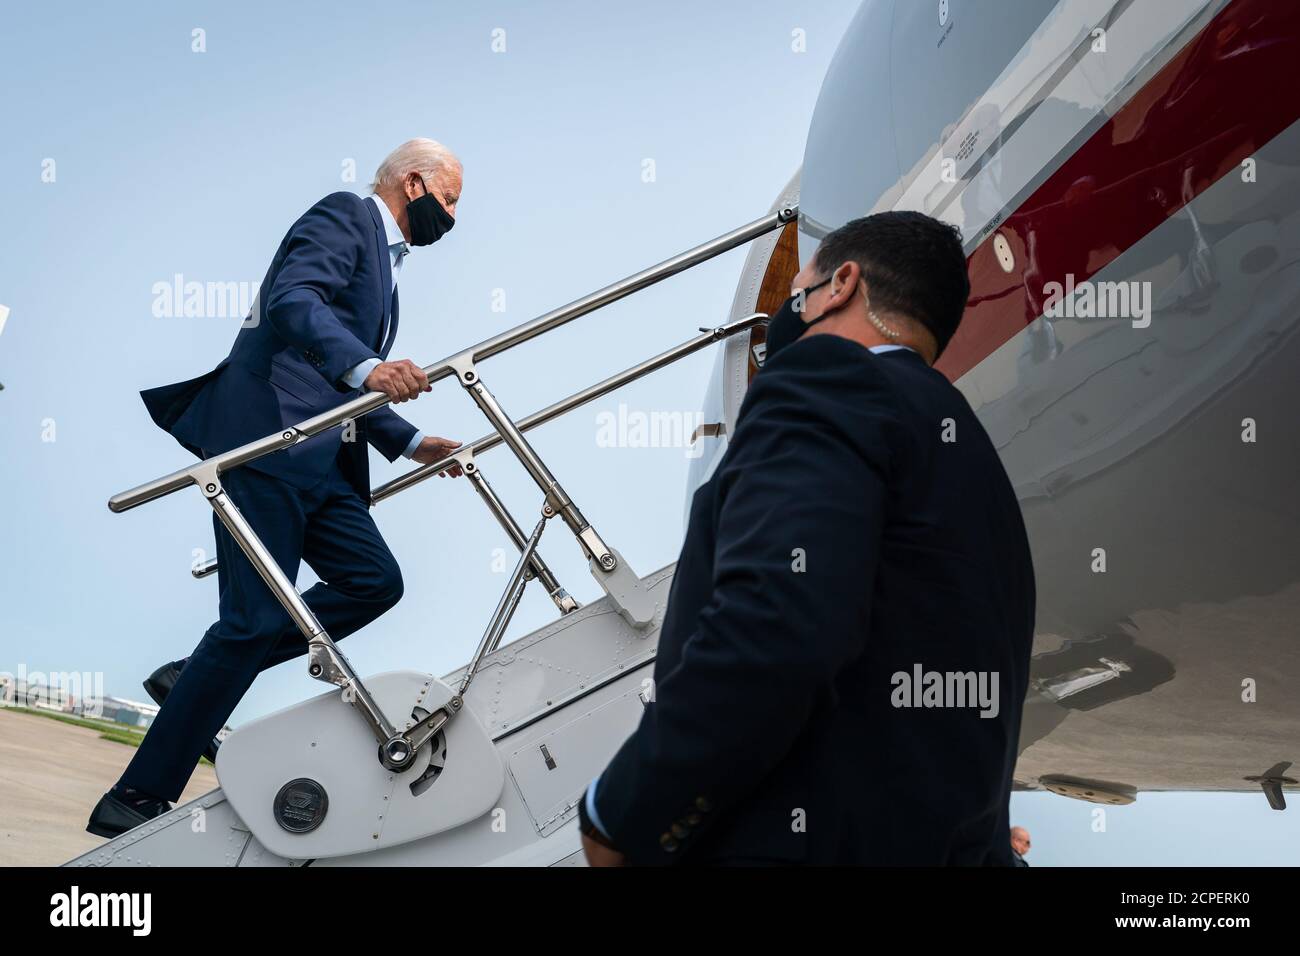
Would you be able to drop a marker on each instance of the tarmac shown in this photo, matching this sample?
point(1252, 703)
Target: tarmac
point(51, 775)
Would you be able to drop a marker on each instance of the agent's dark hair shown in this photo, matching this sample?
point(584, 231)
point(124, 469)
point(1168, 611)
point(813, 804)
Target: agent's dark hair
point(913, 265)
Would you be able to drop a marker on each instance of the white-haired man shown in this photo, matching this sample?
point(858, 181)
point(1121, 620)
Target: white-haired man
point(325, 320)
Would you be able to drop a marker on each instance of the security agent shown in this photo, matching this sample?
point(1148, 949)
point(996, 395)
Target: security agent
point(859, 524)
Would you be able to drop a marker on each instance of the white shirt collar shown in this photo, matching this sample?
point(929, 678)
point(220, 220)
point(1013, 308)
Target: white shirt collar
point(391, 230)
point(877, 349)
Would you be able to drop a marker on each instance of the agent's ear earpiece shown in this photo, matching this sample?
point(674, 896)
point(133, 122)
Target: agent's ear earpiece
point(883, 329)
point(874, 319)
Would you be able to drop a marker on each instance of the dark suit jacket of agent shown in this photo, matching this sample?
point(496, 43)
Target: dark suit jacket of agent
point(773, 686)
point(321, 310)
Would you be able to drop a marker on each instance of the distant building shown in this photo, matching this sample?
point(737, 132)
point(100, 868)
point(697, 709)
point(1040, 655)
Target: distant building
point(18, 692)
point(129, 712)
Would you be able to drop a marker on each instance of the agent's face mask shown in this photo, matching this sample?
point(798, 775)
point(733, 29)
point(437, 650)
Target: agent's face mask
point(428, 220)
point(788, 324)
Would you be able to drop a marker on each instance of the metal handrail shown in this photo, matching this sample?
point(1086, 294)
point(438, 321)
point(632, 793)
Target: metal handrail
point(397, 748)
point(564, 405)
point(549, 413)
point(363, 405)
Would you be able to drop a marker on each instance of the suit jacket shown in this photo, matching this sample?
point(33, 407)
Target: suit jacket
point(320, 311)
point(840, 541)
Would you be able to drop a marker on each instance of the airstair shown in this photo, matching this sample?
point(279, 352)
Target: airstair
point(487, 764)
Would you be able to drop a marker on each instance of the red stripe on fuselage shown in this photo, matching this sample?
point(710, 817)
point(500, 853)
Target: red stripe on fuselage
point(1226, 93)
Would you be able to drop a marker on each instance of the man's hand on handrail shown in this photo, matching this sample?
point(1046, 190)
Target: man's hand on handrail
point(401, 380)
point(433, 449)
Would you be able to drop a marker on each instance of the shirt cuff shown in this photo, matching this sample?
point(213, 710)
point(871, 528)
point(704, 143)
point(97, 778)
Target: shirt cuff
point(355, 377)
point(413, 445)
point(592, 815)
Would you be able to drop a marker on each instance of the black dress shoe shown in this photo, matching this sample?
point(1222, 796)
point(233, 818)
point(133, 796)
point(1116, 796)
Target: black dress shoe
point(160, 683)
point(115, 815)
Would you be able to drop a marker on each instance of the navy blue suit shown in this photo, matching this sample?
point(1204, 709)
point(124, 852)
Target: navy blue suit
point(322, 309)
point(840, 541)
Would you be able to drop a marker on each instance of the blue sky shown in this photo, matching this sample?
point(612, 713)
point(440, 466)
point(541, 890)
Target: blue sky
point(167, 161)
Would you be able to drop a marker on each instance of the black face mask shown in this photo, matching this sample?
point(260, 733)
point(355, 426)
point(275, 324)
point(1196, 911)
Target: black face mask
point(787, 324)
point(429, 222)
